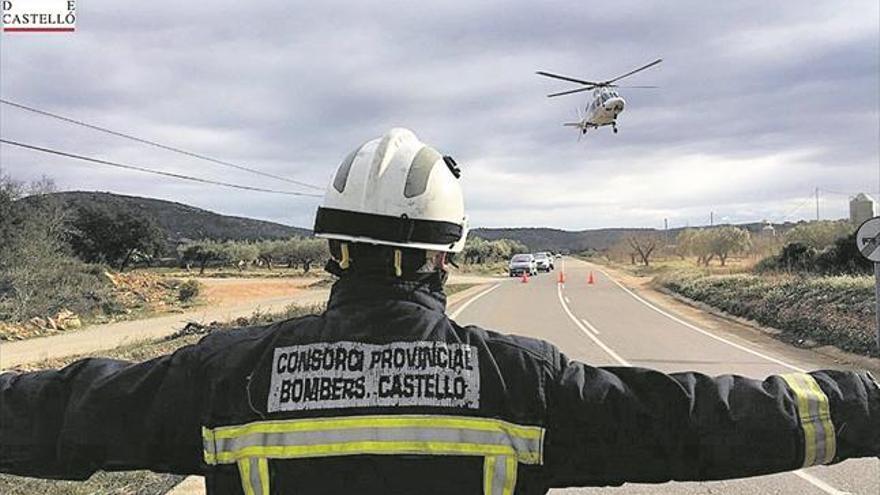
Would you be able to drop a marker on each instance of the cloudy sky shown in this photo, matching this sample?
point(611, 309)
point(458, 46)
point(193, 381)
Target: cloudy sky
point(759, 103)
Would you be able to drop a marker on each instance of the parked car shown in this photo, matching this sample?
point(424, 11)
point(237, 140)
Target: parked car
point(544, 261)
point(522, 263)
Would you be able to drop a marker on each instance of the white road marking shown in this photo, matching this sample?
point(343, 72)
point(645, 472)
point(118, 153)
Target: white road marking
point(584, 329)
point(825, 487)
point(589, 325)
point(467, 303)
point(704, 332)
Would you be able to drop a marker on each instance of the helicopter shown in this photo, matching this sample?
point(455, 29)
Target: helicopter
point(607, 103)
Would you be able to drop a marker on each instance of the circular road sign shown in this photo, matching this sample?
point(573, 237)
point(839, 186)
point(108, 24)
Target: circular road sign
point(868, 239)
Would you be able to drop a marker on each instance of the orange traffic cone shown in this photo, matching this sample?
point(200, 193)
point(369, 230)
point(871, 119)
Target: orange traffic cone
point(561, 277)
point(525, 277)
point(590, 278)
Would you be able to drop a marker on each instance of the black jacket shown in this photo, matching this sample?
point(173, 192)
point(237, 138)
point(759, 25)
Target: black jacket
point(384, 394)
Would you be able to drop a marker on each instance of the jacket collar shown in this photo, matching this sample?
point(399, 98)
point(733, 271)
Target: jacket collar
point(358, 290)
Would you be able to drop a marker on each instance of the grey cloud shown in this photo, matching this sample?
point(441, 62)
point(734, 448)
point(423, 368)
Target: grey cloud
point(289, 87)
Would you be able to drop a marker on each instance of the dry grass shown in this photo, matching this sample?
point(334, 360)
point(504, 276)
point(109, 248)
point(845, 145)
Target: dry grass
point(492, 268)
point(125, 483)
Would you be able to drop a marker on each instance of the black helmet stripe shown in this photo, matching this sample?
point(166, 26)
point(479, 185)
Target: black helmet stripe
point(342, 174)
point(386, 228)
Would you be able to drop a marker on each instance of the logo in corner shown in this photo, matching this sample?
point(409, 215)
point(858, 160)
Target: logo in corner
point(39, 16)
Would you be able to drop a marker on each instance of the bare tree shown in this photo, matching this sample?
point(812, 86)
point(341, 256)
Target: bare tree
point(644, 245)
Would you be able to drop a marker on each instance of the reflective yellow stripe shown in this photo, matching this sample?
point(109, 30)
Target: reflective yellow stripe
point(502, 444)
point(488, 473)
point(364, 448)
point(402, 421)
point(345, 261)
point(398, 262)
point(263, 465)
point(510, 483)
point(244, 470)
point(815, 416)
point(825, 419)
point(807, 425)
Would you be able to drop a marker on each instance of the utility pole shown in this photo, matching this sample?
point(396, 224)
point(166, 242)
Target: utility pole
point(665, 232)
point(711, 219)
point(817, 204)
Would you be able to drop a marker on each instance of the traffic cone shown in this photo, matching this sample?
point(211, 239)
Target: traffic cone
point(561, 277)
point(590, 278)
point(525, 277)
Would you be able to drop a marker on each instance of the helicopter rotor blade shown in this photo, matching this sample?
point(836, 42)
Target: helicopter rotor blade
point(635, 87)
point(652, 64)
point(565, 78)
point(585, 88)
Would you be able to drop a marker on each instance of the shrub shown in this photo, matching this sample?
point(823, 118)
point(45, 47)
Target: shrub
point(189, 290)
point(841, 258)
point(835, 310)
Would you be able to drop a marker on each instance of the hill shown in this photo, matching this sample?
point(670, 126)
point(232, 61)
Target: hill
point(540, 239)
point(181, 221)
point(544, 239)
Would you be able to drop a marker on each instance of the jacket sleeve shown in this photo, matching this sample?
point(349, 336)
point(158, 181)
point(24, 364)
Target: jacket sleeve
point(608, 426)
point(102, 414)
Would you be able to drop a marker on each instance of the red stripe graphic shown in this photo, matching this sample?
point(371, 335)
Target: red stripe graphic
point(37, 30)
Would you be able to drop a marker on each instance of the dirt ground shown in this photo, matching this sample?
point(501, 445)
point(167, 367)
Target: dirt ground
point(227, 290)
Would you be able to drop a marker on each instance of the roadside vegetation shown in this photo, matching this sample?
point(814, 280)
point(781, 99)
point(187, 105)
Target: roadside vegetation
point(65, 265)
point(809, 282)
point(482, 257)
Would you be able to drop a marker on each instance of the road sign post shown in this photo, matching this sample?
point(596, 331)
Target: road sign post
point(868, 243)
point(877, 301)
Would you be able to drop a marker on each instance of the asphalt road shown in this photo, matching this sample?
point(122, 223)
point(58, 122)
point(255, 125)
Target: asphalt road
point(606, 324)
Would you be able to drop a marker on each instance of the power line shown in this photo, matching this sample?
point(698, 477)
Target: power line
point(795, 209)
point(841, 193)
point(152, 171)
point(157, 145)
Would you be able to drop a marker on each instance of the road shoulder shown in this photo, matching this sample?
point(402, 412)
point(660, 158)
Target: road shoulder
point(725, 325)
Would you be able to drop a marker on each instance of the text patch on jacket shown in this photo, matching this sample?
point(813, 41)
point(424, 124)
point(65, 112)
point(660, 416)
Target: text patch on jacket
point(354, 374)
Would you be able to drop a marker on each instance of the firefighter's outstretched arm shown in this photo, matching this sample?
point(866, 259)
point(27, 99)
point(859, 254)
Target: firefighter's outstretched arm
point(616, 425)
point(101, 414)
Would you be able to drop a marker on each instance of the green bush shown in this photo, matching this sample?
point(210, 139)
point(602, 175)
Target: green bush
point(189, 290)
point(841, 257)
point(836, 310)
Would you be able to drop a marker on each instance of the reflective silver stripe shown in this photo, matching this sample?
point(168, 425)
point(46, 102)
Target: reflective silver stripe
point(499, 475)
point(208, 443)
point(254, 472)
point(503, 445)
point(409, 434)
point(820, 443)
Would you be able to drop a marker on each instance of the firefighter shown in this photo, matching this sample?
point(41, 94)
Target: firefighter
point(383, 393)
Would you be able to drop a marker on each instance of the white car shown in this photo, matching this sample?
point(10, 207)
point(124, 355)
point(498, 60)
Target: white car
point(521, 264)
point(544, 261)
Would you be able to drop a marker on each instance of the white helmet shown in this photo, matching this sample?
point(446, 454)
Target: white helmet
point(395, 191)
